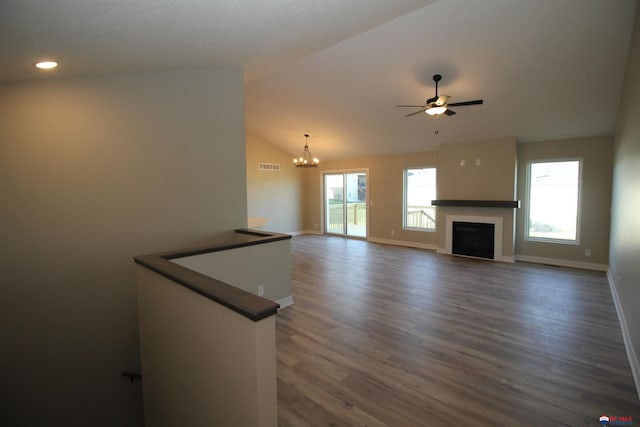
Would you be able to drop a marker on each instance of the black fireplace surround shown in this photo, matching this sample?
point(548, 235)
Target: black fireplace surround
point(474, 239)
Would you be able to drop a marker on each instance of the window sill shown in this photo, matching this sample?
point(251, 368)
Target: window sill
point(556, 241)
point(428, 230)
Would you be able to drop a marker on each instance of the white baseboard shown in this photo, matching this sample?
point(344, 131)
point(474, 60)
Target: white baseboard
point(628, 344)
point(508, 259)
point(563, 263)
point(427, 246)
point(285, 302)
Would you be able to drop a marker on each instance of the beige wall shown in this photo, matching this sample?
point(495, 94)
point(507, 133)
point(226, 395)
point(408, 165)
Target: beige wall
point(595, 199)
point(624, 255)
point(385, 187)
point(92, 172)
point(479, 170)
point(275, 196)
point(493, 179)
point(204, 365)
point(500, 175)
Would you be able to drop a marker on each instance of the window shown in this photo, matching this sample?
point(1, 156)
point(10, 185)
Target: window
point(419, 190)
point(554, 201)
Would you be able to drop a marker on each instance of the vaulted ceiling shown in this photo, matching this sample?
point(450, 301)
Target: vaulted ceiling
point(546, 69)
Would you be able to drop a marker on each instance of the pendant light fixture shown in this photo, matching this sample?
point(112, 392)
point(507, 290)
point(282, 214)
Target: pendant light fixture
point(306, 160)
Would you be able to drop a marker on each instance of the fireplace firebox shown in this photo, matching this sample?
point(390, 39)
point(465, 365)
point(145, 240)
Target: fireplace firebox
point(474, 239)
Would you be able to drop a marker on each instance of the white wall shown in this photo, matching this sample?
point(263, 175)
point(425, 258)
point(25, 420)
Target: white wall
point(92, 172)
point(624, 252)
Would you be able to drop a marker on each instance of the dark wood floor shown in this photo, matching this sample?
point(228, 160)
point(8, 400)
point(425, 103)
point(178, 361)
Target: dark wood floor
point(383, 335)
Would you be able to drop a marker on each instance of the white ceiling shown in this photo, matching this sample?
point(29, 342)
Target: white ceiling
point(103, 36)
point(546, 69)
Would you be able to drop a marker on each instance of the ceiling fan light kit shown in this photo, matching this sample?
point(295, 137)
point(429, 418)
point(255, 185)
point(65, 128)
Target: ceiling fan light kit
point(439, 103)
point(435, 110)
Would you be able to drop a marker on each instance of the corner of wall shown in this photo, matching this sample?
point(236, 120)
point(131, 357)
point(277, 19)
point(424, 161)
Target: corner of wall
point(626, 335)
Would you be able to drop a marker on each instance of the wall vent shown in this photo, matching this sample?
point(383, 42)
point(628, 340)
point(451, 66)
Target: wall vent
point(269, 167)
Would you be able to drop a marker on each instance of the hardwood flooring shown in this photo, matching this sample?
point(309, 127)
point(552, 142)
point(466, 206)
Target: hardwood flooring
point(391, 336)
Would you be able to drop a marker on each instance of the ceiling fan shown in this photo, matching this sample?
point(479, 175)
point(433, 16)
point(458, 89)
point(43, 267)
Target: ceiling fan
point(438, 104)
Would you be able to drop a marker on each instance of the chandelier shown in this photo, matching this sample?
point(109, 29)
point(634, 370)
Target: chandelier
point(306, 160)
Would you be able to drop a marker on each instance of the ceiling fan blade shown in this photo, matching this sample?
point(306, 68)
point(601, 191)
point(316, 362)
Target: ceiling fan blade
point(413, 114)
point(412, 106)
point(449, 112)
point(432, 100)
point(476, 102)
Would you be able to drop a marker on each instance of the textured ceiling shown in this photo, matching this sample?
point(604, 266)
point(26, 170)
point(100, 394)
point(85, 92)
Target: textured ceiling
point(98, 36)
point(546, 69)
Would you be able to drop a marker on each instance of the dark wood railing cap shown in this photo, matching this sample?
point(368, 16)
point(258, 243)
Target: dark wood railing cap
point(242, 302)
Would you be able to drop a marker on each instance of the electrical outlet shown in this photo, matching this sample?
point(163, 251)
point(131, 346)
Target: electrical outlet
point(587, 252)
point(393, 232)
point(261, 290)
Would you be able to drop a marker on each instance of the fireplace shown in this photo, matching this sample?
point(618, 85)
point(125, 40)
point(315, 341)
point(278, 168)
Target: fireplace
point(473, 239)
point(497, 224)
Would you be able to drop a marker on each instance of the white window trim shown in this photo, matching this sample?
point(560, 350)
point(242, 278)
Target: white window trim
point(404, 199)
point(579, 207)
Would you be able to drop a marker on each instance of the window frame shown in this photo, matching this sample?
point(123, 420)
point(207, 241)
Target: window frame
point(404, 199)
point(527, 218)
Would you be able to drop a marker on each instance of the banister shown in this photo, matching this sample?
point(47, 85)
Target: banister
point(242, 302)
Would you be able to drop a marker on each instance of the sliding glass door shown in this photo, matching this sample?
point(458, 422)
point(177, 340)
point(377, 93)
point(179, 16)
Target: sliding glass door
point(334, 203)
point(345, 203)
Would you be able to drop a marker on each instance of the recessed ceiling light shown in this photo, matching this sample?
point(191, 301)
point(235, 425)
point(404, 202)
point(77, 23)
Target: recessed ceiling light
point(47, 65)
